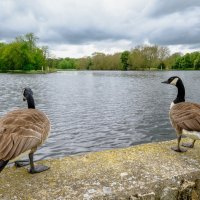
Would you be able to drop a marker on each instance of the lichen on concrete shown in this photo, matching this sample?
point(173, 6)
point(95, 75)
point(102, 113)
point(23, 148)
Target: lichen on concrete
point(148, 171)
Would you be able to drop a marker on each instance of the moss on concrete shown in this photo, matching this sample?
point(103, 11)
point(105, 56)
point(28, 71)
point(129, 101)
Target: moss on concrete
point(114, 174)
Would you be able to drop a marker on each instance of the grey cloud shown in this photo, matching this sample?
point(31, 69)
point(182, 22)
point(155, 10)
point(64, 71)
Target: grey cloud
point(15, 19)
point(194, 46)
point(175, 37)
point(160, 8)
point(177, 29)
point(83, 36)
point(75, 22)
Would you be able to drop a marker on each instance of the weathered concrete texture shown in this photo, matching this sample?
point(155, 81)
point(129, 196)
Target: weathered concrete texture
point(143, 172)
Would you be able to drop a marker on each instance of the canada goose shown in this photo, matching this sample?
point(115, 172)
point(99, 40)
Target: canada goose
point(22, 131)
point(184, 116)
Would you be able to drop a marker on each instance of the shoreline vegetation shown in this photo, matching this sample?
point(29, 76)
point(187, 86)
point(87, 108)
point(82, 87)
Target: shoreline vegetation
point(28, 72)
point(23, 55)
point(69, 70)
point(35, 71)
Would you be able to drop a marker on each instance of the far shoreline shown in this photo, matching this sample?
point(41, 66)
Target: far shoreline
point(70, 70)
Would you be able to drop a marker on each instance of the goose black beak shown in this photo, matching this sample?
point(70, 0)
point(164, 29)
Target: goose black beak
point(166, 82)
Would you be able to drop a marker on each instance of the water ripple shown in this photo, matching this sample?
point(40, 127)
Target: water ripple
point(94, 111)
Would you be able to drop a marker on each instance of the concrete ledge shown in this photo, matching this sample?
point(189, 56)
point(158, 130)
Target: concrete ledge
point(148, 172)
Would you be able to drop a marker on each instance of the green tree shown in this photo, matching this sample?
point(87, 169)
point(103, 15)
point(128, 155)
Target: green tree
point(84, 63)
point(2, 66)
point(39, 59)
point(98, 61)
point(53, 63)
point(22, 54)
point(136, 59)
point(194, 56)
point(151, 56)
point(14, 56)
point(197, 63)
point(185, 62)
point(171, 61)
point(161, 66)
point(67, 63)
point(124, 60)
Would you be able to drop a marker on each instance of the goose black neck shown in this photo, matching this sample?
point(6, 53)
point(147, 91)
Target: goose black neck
point(30, 101)
point(181, 92)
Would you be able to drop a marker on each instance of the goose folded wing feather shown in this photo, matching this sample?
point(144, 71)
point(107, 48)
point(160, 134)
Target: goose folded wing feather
point(14, 144)
point(187, 117)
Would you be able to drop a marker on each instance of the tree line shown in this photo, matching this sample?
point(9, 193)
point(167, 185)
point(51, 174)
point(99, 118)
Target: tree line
point(24, 54)
point(143, 57)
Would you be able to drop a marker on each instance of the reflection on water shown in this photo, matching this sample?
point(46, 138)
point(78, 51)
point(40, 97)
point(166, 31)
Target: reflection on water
point(97, 110)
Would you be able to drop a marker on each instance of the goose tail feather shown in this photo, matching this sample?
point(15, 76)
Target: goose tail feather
point(3, 163)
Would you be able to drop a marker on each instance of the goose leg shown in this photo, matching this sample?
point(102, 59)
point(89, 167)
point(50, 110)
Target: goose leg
point(178, 149)
point(3, 163)
point(36, 169)
point(189, 145)
point(20, 163)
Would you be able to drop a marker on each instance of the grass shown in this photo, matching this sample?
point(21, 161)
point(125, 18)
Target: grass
point(29, 72)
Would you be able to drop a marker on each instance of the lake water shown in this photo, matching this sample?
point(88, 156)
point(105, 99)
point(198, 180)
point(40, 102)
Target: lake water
point(98, 110)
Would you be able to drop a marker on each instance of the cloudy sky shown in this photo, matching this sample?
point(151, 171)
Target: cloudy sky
point(76, 28)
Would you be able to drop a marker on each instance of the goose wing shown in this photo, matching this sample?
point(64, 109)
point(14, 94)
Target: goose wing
point(22, 130)
point(186, 116)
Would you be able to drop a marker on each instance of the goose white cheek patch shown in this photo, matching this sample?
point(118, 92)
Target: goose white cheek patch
point(174, 82)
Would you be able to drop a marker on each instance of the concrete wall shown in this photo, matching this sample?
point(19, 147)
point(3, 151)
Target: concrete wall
point(145, 172)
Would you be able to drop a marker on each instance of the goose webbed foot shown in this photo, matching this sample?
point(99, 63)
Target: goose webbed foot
point(189, 145)
point(178, 149)
point(20, 163)
point(38, 169)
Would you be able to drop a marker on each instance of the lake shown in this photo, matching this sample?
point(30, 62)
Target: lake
point(98, 110)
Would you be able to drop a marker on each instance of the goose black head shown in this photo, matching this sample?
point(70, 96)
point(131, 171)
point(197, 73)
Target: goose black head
point(174, 80)
point(26, 93)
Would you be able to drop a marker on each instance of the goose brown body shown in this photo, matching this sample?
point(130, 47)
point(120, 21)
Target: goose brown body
point(185, 116)
point(22, 130)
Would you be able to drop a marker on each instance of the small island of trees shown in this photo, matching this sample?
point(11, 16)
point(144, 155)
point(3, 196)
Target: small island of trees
point(23, 54)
